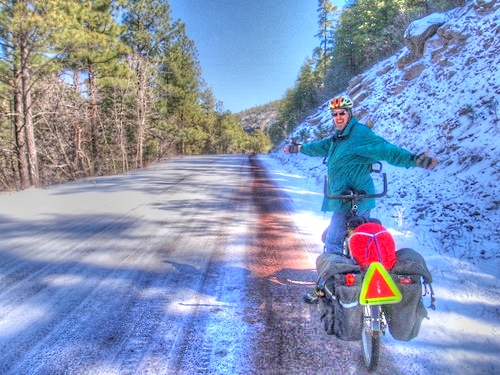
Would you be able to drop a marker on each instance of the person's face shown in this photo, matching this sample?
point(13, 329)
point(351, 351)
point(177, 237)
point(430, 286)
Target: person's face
point(340, 118)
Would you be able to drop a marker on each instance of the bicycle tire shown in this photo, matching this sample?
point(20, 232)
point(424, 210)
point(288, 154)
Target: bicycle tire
point(370, 337)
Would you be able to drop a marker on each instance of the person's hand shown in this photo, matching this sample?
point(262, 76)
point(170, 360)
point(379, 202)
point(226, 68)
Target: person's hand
point(425, 161)
point(294, 148)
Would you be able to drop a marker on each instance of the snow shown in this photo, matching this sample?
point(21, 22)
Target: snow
point(418, 27)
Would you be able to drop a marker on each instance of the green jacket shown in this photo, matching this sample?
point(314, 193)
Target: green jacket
point(349, 156)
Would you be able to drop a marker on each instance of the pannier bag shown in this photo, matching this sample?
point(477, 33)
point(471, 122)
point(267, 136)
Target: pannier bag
point(371, 242)
point(405, 318)
point(340, 279)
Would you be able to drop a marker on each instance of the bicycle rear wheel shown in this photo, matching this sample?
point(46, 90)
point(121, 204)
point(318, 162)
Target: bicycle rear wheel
point(370, 337)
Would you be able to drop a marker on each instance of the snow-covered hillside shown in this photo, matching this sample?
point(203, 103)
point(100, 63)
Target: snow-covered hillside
point(440, 93)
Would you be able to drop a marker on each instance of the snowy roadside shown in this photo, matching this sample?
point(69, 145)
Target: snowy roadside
point(462, 335)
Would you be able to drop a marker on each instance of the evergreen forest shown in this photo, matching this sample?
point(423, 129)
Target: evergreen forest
point(100, 87)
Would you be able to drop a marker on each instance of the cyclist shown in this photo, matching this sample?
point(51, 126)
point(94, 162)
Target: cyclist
point(349, 153)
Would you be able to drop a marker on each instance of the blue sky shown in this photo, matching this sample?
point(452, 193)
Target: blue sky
point(250, 51)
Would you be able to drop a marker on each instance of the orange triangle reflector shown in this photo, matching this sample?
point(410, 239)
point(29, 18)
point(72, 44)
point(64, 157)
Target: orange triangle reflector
point(378, 287)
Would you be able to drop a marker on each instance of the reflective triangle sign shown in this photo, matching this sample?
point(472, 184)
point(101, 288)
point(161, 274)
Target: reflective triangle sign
point(378, 287)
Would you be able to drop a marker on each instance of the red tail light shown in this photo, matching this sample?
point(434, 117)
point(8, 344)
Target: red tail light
point(350, 279)
point(405, 280)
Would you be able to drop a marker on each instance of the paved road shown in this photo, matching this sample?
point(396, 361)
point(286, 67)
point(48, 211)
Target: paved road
point(192, 266)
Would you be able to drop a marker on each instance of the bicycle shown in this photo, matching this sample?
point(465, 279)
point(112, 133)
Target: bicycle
point(373, 317)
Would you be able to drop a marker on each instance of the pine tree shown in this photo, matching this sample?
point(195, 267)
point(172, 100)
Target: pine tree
point(147, 34)
point(327, 21)
point(27, 31)
point(94, 52)
point(160, 43)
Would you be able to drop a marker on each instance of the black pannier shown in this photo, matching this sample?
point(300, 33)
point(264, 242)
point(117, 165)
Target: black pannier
point(405, 318)
point(340, 310)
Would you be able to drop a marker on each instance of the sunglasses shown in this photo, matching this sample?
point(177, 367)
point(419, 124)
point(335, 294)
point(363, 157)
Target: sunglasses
point(335, 114)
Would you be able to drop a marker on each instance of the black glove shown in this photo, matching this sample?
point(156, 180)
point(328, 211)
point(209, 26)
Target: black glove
point(294, 148)
point(423, 161)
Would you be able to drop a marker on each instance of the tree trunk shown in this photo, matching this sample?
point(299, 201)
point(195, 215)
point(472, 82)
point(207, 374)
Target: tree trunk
point(27, 112)
point(140, 118)
point(141, 73)
point(22, 158)
point(93, 118)
point(81, 166)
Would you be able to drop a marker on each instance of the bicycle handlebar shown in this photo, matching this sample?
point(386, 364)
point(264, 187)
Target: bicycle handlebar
point(357, 195)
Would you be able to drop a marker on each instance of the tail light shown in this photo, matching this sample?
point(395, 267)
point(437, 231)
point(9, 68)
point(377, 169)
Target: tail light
point(350, 279)
point(405, 280)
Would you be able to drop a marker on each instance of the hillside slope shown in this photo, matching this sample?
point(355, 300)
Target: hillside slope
point(440, 93)
point(259, 118)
